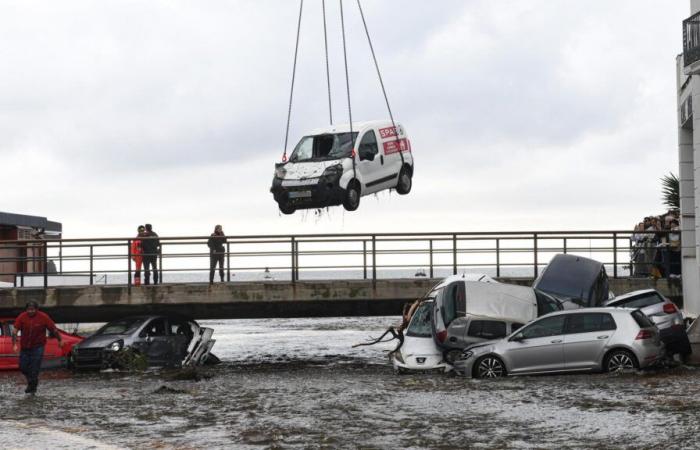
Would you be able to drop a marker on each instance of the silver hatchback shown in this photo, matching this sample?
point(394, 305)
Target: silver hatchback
point(593, 339)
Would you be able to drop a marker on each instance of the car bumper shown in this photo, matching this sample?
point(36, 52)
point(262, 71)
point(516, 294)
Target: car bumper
point(324, 192)
point(649, 354)
point(421, 363)
point(88, 359)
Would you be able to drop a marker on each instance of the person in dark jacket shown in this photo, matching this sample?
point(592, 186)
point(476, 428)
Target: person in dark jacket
point(151, 250)
point(33, 324)
point(217, 250)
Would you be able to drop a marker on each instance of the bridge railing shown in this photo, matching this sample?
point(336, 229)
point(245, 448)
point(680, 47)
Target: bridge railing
point(109, 261)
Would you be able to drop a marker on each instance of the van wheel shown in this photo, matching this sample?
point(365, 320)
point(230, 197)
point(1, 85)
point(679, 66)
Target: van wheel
point(405, 182)
point(352, 196)
point(286, 208)
point(619, 360)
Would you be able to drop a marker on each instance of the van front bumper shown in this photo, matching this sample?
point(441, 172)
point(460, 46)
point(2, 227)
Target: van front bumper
point(308, 193)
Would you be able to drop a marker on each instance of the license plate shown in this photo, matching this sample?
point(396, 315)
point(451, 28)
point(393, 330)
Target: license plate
point(300, 194)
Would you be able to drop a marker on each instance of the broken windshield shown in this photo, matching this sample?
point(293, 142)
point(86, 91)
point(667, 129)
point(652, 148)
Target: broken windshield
point(123, 326)
point(323, 147)
point(421, 323)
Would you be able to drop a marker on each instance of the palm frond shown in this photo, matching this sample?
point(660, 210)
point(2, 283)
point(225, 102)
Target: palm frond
point(670, 191)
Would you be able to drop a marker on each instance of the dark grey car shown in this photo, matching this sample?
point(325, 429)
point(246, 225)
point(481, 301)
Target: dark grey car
point(162, 340)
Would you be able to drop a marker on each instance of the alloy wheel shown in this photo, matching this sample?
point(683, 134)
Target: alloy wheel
point(620, 361)
point(490, 367)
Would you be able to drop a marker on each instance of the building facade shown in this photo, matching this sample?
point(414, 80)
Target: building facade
point(26, 256)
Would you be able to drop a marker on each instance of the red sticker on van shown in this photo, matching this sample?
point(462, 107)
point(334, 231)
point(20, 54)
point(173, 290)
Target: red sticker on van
point(402, 145)
point(388, 132)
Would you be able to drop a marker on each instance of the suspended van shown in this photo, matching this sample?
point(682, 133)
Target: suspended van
point(337, 165)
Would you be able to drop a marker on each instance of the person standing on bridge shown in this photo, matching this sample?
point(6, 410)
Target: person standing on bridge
point(216, 244)
point(137, 254)
point(33, 324)
point(151, 250)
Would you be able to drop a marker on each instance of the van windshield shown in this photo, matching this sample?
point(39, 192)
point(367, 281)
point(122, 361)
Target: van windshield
point(323, 147)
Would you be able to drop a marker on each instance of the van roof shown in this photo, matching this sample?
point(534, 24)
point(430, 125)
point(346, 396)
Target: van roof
point(356, 126)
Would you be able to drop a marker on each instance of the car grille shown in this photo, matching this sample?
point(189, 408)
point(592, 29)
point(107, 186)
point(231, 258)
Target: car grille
point(87, 353)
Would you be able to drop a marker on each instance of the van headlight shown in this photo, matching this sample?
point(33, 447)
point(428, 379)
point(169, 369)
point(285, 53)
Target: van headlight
point(280, 172)
point(334, 171)
point(115, 346)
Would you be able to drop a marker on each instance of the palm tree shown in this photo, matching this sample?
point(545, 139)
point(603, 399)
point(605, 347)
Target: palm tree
point(670, 191)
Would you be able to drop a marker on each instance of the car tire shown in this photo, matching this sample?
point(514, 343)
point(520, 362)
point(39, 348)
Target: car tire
point(489, 366)
point(286, 208)
point(405, 182)
point(351, 201)
point(619, 360)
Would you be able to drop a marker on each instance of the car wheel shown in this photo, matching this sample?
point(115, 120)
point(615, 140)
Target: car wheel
point(405, 182)
point(352, 196)
point(286, 208)
point(489, 367)
point(619, 360)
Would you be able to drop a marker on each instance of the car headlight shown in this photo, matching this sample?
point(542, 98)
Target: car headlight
point(280, 172)
point(466, 355)
point(115, 346)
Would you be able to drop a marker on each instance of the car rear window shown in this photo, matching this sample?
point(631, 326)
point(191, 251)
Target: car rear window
point(421, 323)
point(641, 301)
point(642, 320)
point(487, 329)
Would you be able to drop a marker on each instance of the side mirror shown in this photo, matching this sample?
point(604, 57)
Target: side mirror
point(517, 338)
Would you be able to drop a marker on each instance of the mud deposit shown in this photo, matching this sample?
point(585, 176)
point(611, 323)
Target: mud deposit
point(299, 384)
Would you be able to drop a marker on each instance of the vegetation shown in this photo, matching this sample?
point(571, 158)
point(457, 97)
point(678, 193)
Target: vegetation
point(670, 191)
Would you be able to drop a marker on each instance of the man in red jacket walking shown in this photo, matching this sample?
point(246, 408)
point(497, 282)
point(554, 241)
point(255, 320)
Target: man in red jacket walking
point(33, 324)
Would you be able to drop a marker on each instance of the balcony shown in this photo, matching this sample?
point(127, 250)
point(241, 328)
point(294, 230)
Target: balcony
point(691, 40)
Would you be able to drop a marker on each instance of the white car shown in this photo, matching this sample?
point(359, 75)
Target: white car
point(330, 167)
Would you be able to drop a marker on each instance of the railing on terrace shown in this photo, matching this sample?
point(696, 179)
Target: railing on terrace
point(691, 39)
point(108, 261)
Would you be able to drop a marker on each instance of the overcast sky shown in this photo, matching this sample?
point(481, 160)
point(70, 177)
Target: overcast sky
point(523, 114)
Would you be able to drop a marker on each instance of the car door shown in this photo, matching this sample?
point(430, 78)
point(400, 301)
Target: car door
point(392, 146)
point(371, 164)
point(586, 338)
point(538, 347)
point(181, 334)
point(7, 358)
point(157, 344)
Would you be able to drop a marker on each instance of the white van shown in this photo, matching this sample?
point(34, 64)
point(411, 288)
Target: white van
point(320, 171)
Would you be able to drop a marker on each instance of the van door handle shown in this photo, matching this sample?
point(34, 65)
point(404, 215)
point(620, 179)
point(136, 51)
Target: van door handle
point(603, 337)
point(556, 341)
point(381, 158)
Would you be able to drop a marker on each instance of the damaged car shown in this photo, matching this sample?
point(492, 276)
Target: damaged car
point(156, 340)
point(575, 281)
point(326, 168)
point(583, 340)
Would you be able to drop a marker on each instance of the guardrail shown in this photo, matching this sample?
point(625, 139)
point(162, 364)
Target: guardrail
point(691, 39)
point(332, 256)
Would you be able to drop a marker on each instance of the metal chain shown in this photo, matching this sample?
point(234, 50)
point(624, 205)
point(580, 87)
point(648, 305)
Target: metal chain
point(381, 81)
point(347, 86)
point(328, 72)
point(291, 92)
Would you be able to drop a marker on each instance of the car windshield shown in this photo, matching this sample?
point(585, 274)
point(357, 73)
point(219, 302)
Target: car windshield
point(323, 147)
point(123, 326)
point(648, 299)
point(421, 323)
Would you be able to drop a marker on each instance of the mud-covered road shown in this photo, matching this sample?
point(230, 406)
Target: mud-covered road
point(299, 384)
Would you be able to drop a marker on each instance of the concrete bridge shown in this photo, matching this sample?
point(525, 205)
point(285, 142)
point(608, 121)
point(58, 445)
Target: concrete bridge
point(268, 299)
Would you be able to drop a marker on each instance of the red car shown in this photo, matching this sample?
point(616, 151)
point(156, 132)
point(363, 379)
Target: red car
point(54, 355)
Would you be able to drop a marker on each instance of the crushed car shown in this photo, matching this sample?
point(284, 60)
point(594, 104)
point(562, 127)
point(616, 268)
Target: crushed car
point(326, 169)
point(55, 355)
point(583, 340)
point(155, 341)
point(575, 281)
point(665, 315)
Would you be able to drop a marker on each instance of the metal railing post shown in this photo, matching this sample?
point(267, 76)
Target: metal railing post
point(128, 252)
point(535, 252)
point(374, 258)
point(364, 259)
point(296, 259)
point(160, 265)
point(430, 249)
point(614, 255)
point(498, 258)
point(46, 264)
point(454, 254)
point(565, 246)
point(293, 268)
point(228, 262)
point(91, 266)
point(60, 256)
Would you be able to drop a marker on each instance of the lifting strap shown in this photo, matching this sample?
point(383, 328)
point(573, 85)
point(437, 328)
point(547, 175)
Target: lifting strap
point(291, 92)
point(347, 86)
point(328, 72)
point(381, 82)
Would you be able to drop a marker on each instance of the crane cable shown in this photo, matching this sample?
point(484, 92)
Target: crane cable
point(328, 72)
point(381, 82)
point(347, 86)
point(294, 71)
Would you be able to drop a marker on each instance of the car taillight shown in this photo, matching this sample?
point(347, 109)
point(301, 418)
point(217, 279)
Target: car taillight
point(442, 335)
point(670, 308)
point(644, 334)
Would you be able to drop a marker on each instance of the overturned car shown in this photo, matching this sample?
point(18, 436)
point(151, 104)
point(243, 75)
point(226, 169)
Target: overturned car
point(145, 341)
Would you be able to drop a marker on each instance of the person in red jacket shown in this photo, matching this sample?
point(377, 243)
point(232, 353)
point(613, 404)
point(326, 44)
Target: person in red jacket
point(137, 254)
point(33, 324)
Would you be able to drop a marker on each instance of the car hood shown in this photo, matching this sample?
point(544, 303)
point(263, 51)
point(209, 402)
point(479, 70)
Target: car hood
point(101, 341)
point(311, 169)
